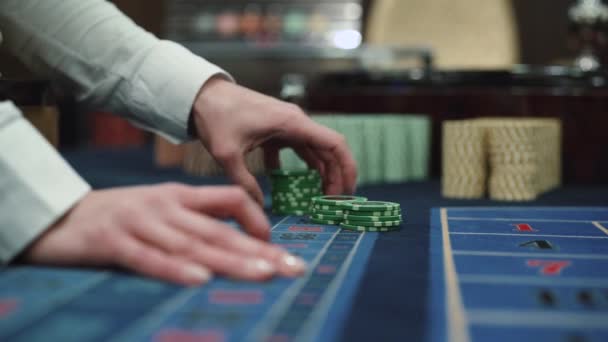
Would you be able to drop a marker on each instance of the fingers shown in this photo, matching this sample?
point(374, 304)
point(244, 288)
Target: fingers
point(153, 262)
point(339, 165)
point(224, 236)
point(235, 166)
point(228, 201)
point(233, 265)
point(191, 247)
point(333, 146)
point(309, 157)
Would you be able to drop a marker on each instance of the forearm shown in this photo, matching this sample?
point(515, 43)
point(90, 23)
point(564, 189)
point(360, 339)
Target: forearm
point(107, 61)
point(36, 186)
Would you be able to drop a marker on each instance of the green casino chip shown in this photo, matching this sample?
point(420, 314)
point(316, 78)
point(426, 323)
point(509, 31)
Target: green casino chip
point(327, 212)
point(357, 218)
point(368, 229)
point(330, 222)
point(302, 191)
point(326, 217)
point(291, 204)
point(295, 185)
point(286, 175)
point(336, 200)
point(326, 207)
point(299, 203)
point(369, 206)
point(289, 195)
point(374, 224)
point(373, 213)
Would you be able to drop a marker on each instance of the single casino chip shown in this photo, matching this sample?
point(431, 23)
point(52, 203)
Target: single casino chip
point(359, 228)
point(337, 218)
point(374, 224)
point(302, 191)
point(326, 207)
point(369, 205)
point(300, 203)
point(356, 218)
point(289, 195)
point(372, 213)
point(291, 184)
point(312, 174)
point(327, 212)
point(329, 222)
point(336, 200)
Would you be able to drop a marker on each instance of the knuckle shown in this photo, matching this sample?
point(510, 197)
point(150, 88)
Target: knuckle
point(239, 194)
point(224, 153)
point(340, 139)
point(294, 109)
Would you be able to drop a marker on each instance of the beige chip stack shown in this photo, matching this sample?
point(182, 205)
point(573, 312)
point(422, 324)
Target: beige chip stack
point(464, 160)
point(523, 158)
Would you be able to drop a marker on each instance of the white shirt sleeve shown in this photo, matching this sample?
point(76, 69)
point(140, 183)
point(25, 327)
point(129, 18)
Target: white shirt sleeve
point(107, 61)
point(36, 185)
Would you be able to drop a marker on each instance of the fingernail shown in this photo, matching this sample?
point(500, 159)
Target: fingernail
point(263, 266)
point(294, 263)
point(197, 274)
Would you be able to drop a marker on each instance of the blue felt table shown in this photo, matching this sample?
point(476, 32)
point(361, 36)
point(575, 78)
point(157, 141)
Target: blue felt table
point(391, 299)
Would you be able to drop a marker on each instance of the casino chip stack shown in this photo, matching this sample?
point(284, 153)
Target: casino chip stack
point(371, 216)
point(293, 190)
point(329, 210)
point(524, 158)
point(515, 159)
point(464, 160)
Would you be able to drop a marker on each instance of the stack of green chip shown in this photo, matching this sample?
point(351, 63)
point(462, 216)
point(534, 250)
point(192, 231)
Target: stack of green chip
point(327, 209)
point(293, 190)
point(371, 216)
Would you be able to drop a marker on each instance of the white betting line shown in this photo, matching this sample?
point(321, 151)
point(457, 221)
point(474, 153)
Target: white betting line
point(276, 311)
point(533, 280)
point(600, 227)
point(521, 219)
point(280, 222)
point(155, 317)
point(314, 323)
point(456, 316)
point(532, 255)
point(535, 235)
point(519, 208)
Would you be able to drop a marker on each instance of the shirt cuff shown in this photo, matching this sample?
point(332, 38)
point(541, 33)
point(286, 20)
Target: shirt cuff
point(38, 186)
point(167, 85)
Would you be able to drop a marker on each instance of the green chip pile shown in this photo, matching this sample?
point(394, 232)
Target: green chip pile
point(327, 209)
point(292, 191)
point(356, 213)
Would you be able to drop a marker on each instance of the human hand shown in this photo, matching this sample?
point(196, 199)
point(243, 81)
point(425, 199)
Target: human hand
point(232, 120)
point(167, 231)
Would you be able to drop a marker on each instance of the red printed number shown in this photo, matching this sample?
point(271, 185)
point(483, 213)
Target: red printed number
point(549, 267)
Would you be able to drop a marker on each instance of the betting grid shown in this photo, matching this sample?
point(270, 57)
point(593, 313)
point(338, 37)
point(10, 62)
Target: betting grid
point(521, 273)
point(108, 306)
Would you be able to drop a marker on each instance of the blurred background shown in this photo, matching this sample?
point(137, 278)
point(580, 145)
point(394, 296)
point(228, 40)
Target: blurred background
point(417, 62)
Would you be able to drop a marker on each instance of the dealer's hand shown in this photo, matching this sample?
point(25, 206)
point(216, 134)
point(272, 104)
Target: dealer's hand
point(232, 120)
point(168, 231)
